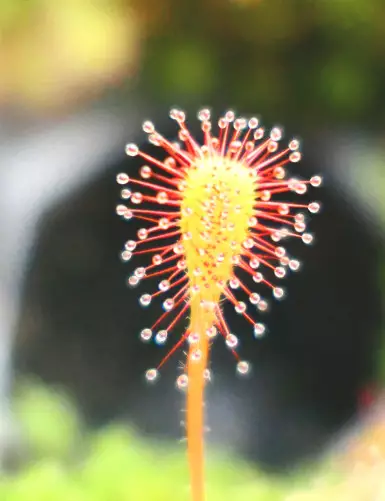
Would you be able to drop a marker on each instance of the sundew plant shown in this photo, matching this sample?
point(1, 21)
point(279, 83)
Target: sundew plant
point(213, 224)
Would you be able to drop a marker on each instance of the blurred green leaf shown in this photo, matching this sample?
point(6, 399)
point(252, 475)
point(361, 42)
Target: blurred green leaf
point(48, 420)
point(115, 464)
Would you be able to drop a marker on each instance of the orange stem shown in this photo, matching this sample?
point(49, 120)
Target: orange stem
point(195, 404)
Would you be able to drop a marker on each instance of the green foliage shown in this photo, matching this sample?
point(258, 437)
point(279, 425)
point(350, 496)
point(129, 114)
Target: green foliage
point(314, 61)
point(66, 463)
point(50, 424)
point(311, 61)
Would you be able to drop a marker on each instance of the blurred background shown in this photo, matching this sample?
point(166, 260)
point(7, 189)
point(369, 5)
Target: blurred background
point(77, 421)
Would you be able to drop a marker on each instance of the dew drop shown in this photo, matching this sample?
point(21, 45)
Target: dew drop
point(211, 332)
point(292, 184)
point(164, 285)
point(152, 374)
point(235, 146)
point(220, 258)
point(278, 292)
point(132, 150)
point(276, 134)
point(126, 255)
point(231, 341)
point(206, 127)
point(181, 264)
point(254, 263)
point(162, 197)
point(258, 277)
point(155, 139)
point(301, 189)
point(146, 172)
point(276, 236)
point(280, 252)
point(207, 374)
point(170, 161)
point(259, 330)
point(234, 283)
point(186, 211)
point(254, 298)
point(295, 156)
point(137, 198)
point(130, 245)
point(180, 116)
point(279, 272)
point(314, 207)
point(140, 272)
point(240, 307)
point(182, 382)
point(279, 172)
point(178, 248)
point(122, 178)
point(142, 234)
point(283, 209)
point(294, 264)
point(182, 185)
point(146, 335)
point(148, 127)
point(145, 299)
point(125, 194)
point(240, 124)
point(220, 283)
point(164, 223)
point(229, 116)
point(300, 227)
point(197, 272)
point(248, 243)
point(204, 114)
point(193, 338)
point(316, 181)
point(195, 355)
point(183, 135)
point(168, 304)
point(157, 259)
point(207, 305)
point(307, 238)
point(133, 281)
point(253, 123)
point(243, 367)
point(121, 209)
point(262, 305)
point(161, 337)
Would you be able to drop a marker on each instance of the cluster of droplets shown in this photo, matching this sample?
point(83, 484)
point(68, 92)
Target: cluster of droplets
point(240, 142)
